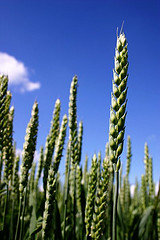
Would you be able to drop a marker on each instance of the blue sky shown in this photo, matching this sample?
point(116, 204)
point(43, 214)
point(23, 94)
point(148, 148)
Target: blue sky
point(43, 44)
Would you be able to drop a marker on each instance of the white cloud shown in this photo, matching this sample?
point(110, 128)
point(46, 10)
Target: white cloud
point(36, 156)
point(157, 188)
point(17, 72)
point(19, 152)
point(132, 188)
point(41, 186)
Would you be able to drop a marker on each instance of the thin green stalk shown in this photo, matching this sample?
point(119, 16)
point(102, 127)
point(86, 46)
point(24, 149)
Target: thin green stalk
point(114, 232)
point(5, 210)
point(74, 204)
point(18, 220)
point(66, 194)
point(12, 216)
point(22, 218)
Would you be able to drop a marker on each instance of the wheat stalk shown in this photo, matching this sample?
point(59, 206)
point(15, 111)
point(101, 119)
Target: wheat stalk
point(118, 114)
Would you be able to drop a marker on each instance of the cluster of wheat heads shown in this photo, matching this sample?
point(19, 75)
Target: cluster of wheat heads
point(95, 203)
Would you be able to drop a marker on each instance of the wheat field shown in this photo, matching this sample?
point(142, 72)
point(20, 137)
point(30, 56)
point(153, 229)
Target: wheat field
point(91, 203)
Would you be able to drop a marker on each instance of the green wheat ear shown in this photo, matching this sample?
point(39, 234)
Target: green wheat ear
point(118, 97)
point(101, 202)
point(91, 195)
point(29, 148)
point(73, 136)
point(143, 192)
point(9, 145)
point(80, 137)
point(50, 142)
point(146, 163)
point(150, 180)
point(51, 182)
point(3, 99)
point(118, 115)
point(129, 155)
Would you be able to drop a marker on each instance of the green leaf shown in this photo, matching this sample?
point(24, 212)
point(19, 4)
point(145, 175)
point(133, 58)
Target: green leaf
point(38, 226)
point(3, 192)
point(147, 224)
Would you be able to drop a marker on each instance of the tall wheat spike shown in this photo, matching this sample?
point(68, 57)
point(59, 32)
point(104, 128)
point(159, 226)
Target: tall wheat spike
point(29, 148)
point(129, 155)
point(9, 146)
point(3, 96)
point(143, 192)
point(50, 142)
point(51, 183)
point(7, 136)
point(150, 181)
point(80, 136)
point(74, 144)
point(118, 113)
point(146, 162)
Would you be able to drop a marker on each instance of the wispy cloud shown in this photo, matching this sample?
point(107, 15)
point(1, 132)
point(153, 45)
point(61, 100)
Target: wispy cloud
point(17, 72)
point(152, 138)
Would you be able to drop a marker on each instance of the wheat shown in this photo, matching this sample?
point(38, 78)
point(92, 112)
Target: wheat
point(118, 113)
point(29, 148)
point(91, 195)
point(50, 142)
